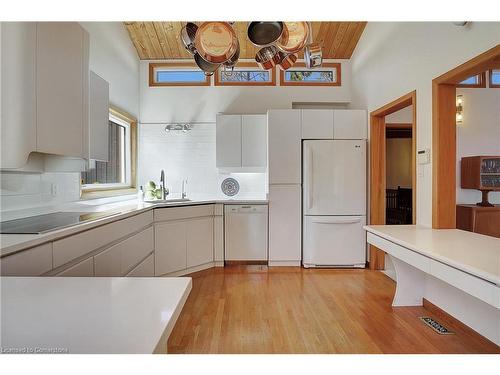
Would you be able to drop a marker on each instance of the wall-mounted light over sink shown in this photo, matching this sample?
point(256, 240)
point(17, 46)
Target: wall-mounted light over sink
point(178, 127)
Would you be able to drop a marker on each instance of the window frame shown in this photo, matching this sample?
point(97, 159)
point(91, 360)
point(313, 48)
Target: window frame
point(480, 85)
point(186, 66)
point(490, 80)
point(130, 186)
point(245, 64)
point(337, 66)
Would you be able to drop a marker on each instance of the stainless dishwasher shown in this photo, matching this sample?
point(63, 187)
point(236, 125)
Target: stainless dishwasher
point(245, 232)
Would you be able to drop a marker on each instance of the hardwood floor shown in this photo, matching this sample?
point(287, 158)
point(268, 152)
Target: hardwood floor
point(256, 309)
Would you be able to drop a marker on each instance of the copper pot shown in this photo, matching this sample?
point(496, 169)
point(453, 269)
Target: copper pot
point(267, 57)
point(313, 56)
point(286, 61)
point(294, 37)
point(216, 42)
point(188, 34)
point(206, 66)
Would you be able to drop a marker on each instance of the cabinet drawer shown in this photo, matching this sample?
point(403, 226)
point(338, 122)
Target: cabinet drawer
point(32, 262)
point(186, 212)
point(145, 269)
point(472, 285)
point(83, 269)
point(124, 256)
point(80, 244)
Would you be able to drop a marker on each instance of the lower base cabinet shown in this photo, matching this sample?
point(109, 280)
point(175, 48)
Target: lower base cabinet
point(83, 269)
point(183, 244)
point(199, 241)
point(170, 247)
point(145, 269)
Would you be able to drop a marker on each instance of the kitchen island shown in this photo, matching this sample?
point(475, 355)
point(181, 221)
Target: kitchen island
point(458, 271)
point(90, 315)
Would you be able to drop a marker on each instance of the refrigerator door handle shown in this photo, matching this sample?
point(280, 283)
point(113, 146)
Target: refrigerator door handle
point(337, 221)
point(310, 190)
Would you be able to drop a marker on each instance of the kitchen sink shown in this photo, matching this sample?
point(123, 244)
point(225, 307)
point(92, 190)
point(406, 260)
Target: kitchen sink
point(173, 200)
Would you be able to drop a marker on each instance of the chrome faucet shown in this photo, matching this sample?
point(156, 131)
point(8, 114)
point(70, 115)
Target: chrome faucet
point(184, 183)
point(164, 190)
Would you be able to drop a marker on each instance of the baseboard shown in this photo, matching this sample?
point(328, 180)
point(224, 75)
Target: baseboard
point(245, 262)
point(189, 270)
point(450, 320)
point(283, 263)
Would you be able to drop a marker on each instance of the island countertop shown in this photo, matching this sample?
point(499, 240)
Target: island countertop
point(90, 315)
point(470, 252)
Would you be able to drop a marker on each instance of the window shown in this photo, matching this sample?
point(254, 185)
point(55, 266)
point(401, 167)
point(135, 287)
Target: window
point(245, 74)
point(177, 74)
point(327, 75)
point(495, 78)
point(474, 81)
point(118, 172)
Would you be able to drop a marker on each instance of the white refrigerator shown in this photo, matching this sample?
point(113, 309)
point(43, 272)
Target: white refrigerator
point(334, 203)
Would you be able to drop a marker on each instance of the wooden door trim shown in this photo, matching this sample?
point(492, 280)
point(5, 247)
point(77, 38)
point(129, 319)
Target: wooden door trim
point(378, 163)
point(444, 135)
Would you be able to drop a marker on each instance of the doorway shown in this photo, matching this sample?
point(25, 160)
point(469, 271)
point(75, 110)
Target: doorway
point(378, 166)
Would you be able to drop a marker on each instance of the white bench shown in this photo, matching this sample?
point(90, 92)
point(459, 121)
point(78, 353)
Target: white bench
point(456, 270)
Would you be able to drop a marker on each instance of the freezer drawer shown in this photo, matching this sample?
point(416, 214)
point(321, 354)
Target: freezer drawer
point(334, 241)
point(245, 232)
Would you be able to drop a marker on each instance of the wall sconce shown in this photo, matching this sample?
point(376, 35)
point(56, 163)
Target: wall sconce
point(178, 127)
point(460, 110)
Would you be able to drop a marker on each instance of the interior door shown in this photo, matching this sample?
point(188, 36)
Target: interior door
point(334, 177)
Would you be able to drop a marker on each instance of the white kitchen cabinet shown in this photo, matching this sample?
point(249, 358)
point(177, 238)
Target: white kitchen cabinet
point(254, 141)
point(349, 124)
point(317, 124)
point(62, 82)
point(72, 247)
point(33, 262)
point(199, 248)
point(17, 92)
point(144, 269)
point(85, 268)
point(285, 225)
point(119, 259)
point(170, 247)
point(228, 141)
point(219, 234)
point(284, 139)
point(98, 118)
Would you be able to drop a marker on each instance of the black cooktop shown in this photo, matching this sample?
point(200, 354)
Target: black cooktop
point(43, 223)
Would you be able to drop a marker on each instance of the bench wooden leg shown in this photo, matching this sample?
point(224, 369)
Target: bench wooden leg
point(410, 284)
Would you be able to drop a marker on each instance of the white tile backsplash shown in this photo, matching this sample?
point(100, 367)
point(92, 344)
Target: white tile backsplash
point(27, 190)
point(189, 155)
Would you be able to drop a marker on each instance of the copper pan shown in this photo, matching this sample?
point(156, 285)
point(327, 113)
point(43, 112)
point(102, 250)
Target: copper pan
point(286, 61)
point(216, 42)
point(267, 57)
point(294, 38)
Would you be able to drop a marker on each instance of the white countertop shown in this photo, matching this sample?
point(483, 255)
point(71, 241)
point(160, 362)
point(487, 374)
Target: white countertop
point(11, 243)
point(90, 314)
point(470, 252)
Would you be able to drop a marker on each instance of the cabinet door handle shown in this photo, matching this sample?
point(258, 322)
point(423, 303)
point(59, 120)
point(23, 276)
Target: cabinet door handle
point(338, 221)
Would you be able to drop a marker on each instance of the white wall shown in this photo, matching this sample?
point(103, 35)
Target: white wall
point(479, 134)
point(190, 155)
point(403, 116)
point(114, 58)
point(398, 163)
point(393, 59)
point(169, 104)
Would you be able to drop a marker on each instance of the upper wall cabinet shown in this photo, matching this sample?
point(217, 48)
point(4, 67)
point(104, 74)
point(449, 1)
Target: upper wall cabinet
point(17, 96)
point(349, 124)
point(98, 118)
point(241, 143)
point(44, 87)
point(284, 134)
point(317, 124)
point(62, 81)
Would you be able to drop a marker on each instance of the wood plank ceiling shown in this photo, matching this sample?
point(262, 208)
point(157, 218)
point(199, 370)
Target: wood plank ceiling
point(161, 40)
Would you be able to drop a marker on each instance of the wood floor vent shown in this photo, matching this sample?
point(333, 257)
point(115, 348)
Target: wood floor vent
point(435, 325)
